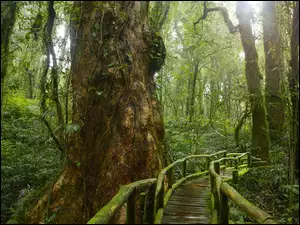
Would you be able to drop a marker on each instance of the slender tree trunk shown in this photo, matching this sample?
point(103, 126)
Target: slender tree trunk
point(201, 82)
point(192, 107)
point(188, 99)
point(214, 95)
point(274, 104)
point(30, 83)
point(294, 90)
point(260, 133)
point(54, 69)
point(44, 95)
point(227, 90)
point(121, 129)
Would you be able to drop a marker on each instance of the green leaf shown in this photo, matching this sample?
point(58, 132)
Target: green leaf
point(78, 164)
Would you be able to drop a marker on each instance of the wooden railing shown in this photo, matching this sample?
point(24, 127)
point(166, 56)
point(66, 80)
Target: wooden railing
point(126, 195)
point(158, 191)
point(166, 185)
point(222, 191)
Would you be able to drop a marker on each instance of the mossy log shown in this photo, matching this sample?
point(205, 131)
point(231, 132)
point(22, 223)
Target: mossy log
point(107, 212)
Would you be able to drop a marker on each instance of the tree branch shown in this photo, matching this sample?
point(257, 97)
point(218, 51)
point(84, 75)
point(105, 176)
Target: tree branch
point(232, 29)
point(164, 17)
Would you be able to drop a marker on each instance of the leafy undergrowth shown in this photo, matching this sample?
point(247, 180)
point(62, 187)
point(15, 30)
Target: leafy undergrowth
point(201, 136)
point(28, 155)
point(267, 188)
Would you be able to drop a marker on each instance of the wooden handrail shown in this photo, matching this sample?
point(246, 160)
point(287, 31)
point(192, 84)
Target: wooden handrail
point(221, 191)
point(254, 212)
point(105, 214)
point(160, 180)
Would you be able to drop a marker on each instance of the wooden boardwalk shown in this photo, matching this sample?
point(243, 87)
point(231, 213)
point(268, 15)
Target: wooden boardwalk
point(191, 202)
point(187, 198)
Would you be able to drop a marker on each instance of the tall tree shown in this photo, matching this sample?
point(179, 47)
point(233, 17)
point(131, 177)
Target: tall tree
point(192, 106)
point(274, 104)
point(260, 132)
point(121, 129)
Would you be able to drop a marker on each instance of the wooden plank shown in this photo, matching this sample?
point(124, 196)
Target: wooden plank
point(181, 212)
point(186, 208)
point(185, 219)
point(188, 203)
point(184, 198)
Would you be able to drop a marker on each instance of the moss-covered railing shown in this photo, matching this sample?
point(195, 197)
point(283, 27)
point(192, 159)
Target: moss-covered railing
point(127, 195)
point(155, 193)
point(166, 185)
point(222, 191)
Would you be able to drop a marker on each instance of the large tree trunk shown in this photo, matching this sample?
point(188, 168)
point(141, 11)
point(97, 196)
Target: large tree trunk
point(121, 129)
point(8, 14)
point(274, 104)
point(260, 133)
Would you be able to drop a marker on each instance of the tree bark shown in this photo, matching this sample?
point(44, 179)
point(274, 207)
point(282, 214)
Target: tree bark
point(260, 132)
point(30, 82)
point(192, 106)
point(274, 104)
point(214, 93)
point(121, 128)
point(201, 82)
point(8, 14)
point(294, 90)
point(54, 69)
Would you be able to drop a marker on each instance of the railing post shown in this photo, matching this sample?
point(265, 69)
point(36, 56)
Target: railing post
point(217, 167)
point(236, 163)
point(215, 193)
point(207, 162)
point(142, 206)
point(130, 215)
point(160, 197)
point(225, 159)
point(170, 176)
point(149, 209)
point(184, 167)
point(249, 160)
point(224, 209)
point(235, 176)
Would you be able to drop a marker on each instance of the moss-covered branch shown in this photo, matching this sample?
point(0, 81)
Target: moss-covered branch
point(232, 29)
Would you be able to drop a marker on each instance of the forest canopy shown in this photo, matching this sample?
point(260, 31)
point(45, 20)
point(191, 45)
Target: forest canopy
point(99, 94)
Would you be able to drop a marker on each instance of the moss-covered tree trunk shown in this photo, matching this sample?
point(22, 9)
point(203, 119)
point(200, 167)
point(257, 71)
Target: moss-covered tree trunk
point(120, 133)
point(260, 131)
point(294, 90)
point(8, 15)
point(274, 104)
point(192, 106)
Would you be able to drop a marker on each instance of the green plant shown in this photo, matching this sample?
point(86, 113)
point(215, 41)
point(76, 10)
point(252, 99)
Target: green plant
point(28, 156)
